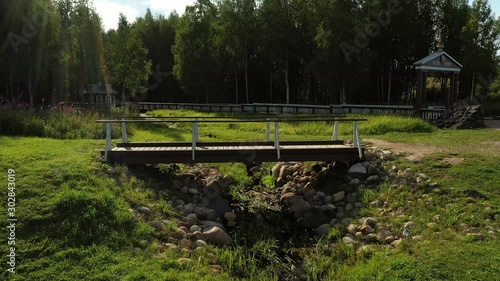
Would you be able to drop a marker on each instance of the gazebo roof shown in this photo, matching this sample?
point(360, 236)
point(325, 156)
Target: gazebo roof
point(439, 61)
point(102, 89)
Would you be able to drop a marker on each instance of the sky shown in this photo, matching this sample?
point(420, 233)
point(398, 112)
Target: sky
point(109, 10)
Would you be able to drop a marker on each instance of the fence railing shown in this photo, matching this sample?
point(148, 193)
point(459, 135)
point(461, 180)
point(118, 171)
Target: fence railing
point(425, 113)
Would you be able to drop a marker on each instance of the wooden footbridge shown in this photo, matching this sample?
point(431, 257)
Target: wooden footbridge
point(197, 151)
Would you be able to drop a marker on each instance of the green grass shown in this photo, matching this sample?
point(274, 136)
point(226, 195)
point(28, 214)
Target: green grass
point(74, 220)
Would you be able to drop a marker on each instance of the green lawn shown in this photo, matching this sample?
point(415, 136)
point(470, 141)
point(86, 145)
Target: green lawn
point(74, 220)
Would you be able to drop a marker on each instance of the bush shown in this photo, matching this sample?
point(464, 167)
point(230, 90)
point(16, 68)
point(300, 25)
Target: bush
point(65, 123)
point(492, 107)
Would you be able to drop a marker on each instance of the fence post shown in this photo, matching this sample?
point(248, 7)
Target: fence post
point(277, 139)
point(268, 130)
point(124, 132)
point(108, 141)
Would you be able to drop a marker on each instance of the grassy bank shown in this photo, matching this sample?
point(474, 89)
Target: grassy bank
point(74, 221)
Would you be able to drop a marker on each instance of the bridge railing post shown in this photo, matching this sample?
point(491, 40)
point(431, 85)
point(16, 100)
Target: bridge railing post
point(277, 139)
point(357, 140)
point(268, 130)
point(124, 132)
point(195, 138)
point(335, 136)
point(108, 141)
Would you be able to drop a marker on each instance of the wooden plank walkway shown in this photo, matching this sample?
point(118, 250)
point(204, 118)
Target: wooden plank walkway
point(158, 153)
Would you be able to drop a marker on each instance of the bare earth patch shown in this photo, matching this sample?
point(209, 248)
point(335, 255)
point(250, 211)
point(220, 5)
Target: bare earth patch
point(412, 152)
point(454, 160)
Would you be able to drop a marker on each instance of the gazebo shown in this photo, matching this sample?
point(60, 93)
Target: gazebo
point(442, 62)
point(100, 94)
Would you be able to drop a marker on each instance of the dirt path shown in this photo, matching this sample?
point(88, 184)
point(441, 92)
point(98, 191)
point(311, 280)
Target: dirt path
point(412, 152)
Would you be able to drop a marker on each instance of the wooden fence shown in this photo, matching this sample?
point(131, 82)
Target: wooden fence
point(425, 113)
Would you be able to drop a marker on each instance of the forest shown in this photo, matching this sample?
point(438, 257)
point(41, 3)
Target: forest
point(246, 51)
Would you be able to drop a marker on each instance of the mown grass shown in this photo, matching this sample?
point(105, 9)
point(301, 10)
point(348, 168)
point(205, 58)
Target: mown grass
point(377, 125)
point(75, 224)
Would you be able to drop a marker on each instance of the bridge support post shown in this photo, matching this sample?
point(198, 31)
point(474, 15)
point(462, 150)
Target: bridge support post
point(124, 132)
point(108, 141)
point(335, 136)
point(277, 139)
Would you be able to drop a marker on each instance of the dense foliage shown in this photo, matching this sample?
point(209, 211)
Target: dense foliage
point(325, 51)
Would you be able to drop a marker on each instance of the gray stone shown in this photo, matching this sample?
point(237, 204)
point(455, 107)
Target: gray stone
point(220, 205)
point(230, 216)
point(387, 155)
point(194, 228)
point(339, 196)
point(349, 239)
point(200, 243)
point(184, 189)
point(321, 194)
point(156, 225)
point(208, 224)
point(323, 229)
point(144, 210)
point(189, 207)
point(309, 194)
point(203, 212)
point(193, 191)
point(346, 221)
point(372, 170)
point(349, 207)
point(299, 208)
point(217, 236)
point(171, 246)
point(355, 182)
point(358, 170)
point(315, 219)
point(373, 179)
point(179, 202)
point(328, 200)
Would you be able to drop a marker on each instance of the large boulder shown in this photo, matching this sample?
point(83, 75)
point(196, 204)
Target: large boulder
point(216, 236)
point(358, 171)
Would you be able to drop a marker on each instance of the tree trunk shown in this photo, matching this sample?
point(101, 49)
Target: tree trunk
point(29, 81)
point(473, 87)
point(236, 78)
point(271, 86)
point(123, 96)
point(382, 88)
point(246, 76)
point(287, 83)
point(390, 84)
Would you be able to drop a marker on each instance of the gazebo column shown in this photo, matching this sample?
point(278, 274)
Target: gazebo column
point(424, 89)
point(418, 102)
point(453, 88)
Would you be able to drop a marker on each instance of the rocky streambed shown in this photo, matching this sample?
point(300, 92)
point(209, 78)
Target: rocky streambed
point(314, 198)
